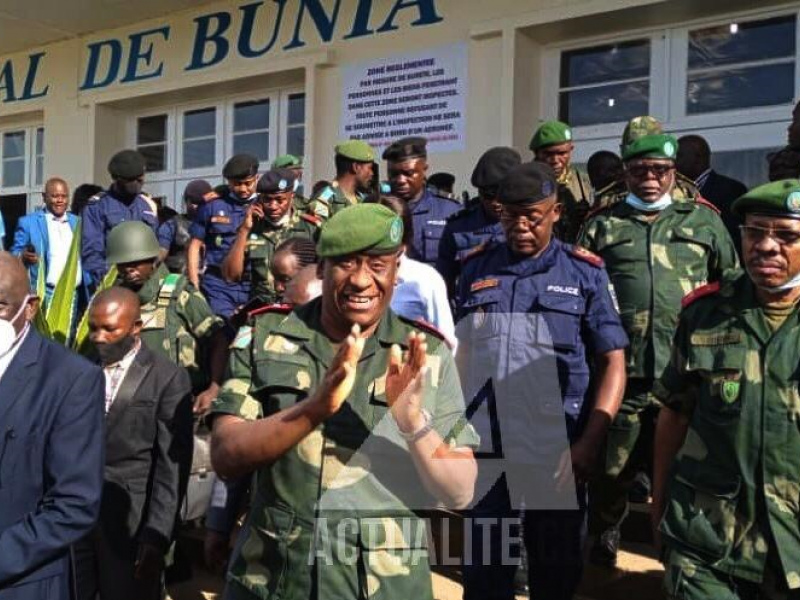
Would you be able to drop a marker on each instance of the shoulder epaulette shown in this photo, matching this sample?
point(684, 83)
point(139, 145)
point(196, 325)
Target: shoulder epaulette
point(585, 255)
point(704, 290)
point(283, 309)
point(476, 251)
point(597, 210)
point(326, 194)
point(703, 202)
point(425, 326)
point(96, 198)
point(212, 195)
point(313, 219)
point(458, 214)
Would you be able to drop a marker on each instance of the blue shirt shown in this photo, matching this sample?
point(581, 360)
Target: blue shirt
point(101, 215)
point(429, 215)
point(536, 321)
point(216, 224)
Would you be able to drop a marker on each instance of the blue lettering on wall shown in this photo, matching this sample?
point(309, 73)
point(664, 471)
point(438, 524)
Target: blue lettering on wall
point(249, 12)
point(361, 21)
point(427, 14)
point(140, 54)
point(28, 93)
point(7, 82)
point(113, 48)
point(324, 23)
point(205, 36)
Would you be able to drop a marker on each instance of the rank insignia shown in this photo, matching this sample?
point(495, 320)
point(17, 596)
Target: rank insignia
point(484, 284)
point(730, 391)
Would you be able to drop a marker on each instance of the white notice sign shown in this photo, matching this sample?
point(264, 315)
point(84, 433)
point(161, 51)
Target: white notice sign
point(420, 94)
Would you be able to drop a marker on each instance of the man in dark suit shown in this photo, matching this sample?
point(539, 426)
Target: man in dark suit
point(694, 162)
point(148, 403)
point(51, 448)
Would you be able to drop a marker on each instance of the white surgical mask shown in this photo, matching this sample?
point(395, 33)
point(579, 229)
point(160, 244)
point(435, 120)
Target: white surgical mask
point(649, 207)
point(8, 335)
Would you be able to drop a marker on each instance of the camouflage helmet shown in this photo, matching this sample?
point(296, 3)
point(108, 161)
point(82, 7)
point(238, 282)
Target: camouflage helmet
point(131, 241)
point(639, 127)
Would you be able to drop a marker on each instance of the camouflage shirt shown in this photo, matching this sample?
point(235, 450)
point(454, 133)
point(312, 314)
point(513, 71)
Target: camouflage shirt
point(260, 249)
point(735, 495)
point(176, 317)
point(351, 470)
point(684, 189)
point(652, 265)
point(575, 195)
point(330, 200)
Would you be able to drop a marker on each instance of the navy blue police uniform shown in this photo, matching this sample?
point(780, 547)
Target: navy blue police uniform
point(429, 216)
point(536, 321)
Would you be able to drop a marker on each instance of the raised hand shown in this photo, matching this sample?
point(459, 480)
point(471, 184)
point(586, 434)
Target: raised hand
point(405, 376)
point(341, 375)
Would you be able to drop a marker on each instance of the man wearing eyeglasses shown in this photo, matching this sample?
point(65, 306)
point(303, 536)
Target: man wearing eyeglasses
point(657, 248)
point(538, 311)
point(726, 494)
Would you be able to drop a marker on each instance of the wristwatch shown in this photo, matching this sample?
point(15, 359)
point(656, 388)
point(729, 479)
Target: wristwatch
point(422, 431)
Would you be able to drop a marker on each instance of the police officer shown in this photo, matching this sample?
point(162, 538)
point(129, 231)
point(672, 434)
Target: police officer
point(731, 516)
point(342, 430)
point(538, 310)
point(173, 235)
point(215, 227)
point(354, 175)
point(552, 144)
point(177, 320)
point(407, 163)
point(268, 221)
point(123, 201)
point(470, 229)
point(657, 248)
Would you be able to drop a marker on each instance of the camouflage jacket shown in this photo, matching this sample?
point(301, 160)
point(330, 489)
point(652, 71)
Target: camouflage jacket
point(260, 249)
point(575, 195)
point(176, 317)
point(684, 189)
point(350, 486)
point(652, 265)
point(734, 496)
point(330, 200)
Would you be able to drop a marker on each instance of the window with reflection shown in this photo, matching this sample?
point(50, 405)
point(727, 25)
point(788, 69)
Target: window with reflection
point(151, 141)
point(741, 65)
point(296, 125)
point(39, 173)
point(605, 84)
point(14, 159)
point(251, 128)
point(199, 138)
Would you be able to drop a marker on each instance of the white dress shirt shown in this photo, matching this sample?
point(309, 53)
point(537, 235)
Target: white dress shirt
point(59, 240)
point(9, 356)
point(115, 374)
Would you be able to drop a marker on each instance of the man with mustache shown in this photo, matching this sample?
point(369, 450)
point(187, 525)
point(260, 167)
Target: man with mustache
point(347, 434)
point(727, 459)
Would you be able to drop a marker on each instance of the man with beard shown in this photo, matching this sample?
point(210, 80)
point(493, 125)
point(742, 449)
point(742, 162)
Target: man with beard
point(148, 451)
point(407, 161)
point(727, 440)
point(123, 201)
point(354, 175)
point(478, 226)
point(347, 434)
point(177, 321)
point(214, 230)
point(269, 220)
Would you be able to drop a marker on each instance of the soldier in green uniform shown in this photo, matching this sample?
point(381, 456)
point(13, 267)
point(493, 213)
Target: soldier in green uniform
point(270, 220)
point(333, 405)
point(657, 249)
point(727, 468)
point(177, 320)
point(552, 144)
point(636, 128)
point(295, 165)
point(355, 169)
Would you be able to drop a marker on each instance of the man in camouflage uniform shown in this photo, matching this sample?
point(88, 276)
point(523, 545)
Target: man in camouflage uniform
point(657, 249)
point(729, 506)
point(355, 169)
point(269, 220)
point(345, 435)
point(177, 320)
point(295, 165)
point(552, 144)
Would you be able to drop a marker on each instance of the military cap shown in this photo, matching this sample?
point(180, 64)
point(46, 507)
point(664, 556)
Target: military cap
point(369, 228)
point(660, 145)
point(493, 166)
point(528, 183)
point(127, 164)
point(356, 150)
point(551, 133)
point(276, 181)
point(406, 149)
point(639, 127)
point(241, 166)
point(131, 241)
point(288, 161)
point(442, 180)
point(778, 198)
point(196, 191)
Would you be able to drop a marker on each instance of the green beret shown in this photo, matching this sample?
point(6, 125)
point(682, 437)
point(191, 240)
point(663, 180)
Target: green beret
point(528, 183)
point(551, 133)
point(288, 161)
point(638, 127)
point(779, 198)
point(355, 150)
point(368, 228)
point(240, 166)
point(128, 164)
point(652, 146)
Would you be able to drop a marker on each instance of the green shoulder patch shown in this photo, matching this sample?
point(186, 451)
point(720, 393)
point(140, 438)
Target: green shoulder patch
point(244, 337)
